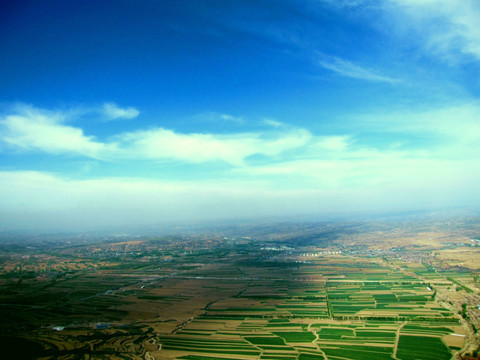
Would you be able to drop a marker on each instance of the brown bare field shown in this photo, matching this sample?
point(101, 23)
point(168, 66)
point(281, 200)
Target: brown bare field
point(466, 256)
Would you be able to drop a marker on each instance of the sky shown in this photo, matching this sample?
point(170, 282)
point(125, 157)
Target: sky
point(134, 113)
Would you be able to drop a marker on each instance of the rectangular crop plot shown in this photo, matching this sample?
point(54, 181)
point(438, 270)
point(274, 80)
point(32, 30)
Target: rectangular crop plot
point(296, 336)
point(422, 348)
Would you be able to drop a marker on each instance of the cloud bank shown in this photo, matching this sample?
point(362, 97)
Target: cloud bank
point(30, 129)
point(424, 159)
point(44, 201)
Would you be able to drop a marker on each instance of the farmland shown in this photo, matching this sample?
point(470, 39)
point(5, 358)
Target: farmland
point(273, 292)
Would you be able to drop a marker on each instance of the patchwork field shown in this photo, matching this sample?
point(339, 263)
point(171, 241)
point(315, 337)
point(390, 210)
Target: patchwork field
point(224, 297)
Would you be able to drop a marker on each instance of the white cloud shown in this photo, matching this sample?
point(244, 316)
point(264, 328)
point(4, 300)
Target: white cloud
point(33, 129)
point(452, 132)
point(453, 128)
point(272, 123)
point(227, 117)
point(332, 143)
point(449, 27)
point(296, 171)
point(349, 69)
point(390, 178)
point(112, 111)
point(219, 117)
point(196, 148)
point(439, 159)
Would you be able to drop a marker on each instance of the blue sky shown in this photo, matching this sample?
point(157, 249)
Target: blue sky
point(135, 112)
